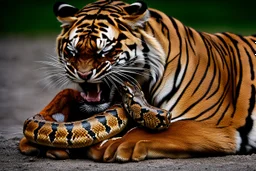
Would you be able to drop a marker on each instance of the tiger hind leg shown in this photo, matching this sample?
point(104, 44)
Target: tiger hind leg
point(182, 140)
point(59, 109)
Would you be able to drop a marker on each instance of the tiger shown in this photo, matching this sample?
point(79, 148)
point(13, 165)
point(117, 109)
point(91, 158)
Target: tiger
point(207, 81)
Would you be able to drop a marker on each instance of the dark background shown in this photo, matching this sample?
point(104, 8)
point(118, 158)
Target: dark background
point(35, 17)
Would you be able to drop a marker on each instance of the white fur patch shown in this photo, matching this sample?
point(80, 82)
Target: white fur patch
point(111, 33)
point(101, 43)
point(252, 133)
point(238, 141)
point(65, 5)
point(136, 4)
point(139, 22)
point(59, 117)
point(72, 33)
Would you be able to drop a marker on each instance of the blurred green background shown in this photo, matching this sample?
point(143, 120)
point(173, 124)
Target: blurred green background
point(35, 17)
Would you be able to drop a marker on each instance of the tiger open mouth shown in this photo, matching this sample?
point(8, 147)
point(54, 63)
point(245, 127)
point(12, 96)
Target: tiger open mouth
point(97, 97)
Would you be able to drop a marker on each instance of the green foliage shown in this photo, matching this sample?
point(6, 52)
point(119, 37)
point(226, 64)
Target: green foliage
point(36, 17)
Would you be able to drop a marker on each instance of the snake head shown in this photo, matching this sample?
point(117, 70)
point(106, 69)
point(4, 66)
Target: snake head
point(131, 93)
point(130, 90)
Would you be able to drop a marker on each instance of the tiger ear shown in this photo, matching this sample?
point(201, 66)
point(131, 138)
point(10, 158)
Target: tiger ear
point(65, 13)
point(137, 14)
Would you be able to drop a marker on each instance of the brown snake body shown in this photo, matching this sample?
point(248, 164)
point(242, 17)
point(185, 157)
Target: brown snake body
point(99, 127)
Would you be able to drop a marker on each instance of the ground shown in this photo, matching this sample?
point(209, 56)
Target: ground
point(23, 94)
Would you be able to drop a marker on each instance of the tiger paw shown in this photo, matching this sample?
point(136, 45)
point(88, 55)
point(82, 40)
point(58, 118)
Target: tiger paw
point(119, 150)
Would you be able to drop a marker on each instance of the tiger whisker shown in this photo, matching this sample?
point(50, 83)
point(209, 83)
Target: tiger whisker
point(127, 77)
point(143, 74)
point(111, 81)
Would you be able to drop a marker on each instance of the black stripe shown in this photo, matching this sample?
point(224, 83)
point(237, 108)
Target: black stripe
point(145, 49)
point(244, 130)
point(224, 43)
point(79, 30)
point(222, 54)
point(169, 42)
point(132, 46)
point(223, 114)
point(190, 36)
point(102, 29)
point(183, 77)
point(54, 129)
point(238, 56)
point(121, 26)
point(208, 48)
point(188, 84)
point(95, 16)
point(152, 30)
point(114, 113)
point(220, 101)
point(168, 96)
point(167, 35)
point(114, 9)
point(40, 124)
point(251, 64)
point(246, 41)
point(25, 125)
point(86, 10)
point(201, 98)
point(155, 15)
point(231, 67)
point(101, 3)
point(80, 21)
point(220, 51)
point(114, 15)
point(121, 36)
point(83, 25)
point(69, 128)
point(102, 119)
point(178, 68)
point(87, 126)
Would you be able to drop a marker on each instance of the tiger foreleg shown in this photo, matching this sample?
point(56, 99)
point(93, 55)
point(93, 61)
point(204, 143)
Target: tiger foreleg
point(182, 139)
point(57, 110)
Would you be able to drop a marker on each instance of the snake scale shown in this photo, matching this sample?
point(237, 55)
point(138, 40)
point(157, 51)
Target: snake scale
point(83, 133)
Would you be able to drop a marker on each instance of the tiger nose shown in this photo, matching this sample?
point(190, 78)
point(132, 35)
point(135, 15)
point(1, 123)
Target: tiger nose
point(84, 75)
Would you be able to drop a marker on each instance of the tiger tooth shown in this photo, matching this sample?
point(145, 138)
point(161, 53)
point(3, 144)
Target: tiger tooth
point(98, 88)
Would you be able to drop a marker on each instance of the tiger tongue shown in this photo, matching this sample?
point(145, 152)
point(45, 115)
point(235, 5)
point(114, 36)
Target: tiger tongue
point(93, 94)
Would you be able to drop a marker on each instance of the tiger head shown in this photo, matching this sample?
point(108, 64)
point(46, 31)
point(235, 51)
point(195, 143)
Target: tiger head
point(105, 44)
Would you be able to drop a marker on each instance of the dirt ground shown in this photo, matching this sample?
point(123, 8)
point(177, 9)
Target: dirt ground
point(23, 95)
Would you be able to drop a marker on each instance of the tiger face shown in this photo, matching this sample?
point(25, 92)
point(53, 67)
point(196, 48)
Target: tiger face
point(103, 45)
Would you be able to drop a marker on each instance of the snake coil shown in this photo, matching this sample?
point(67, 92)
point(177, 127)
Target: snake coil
point(99, 127)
